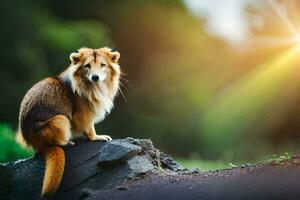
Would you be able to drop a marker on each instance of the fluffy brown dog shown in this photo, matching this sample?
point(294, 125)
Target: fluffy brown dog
point(57, 109)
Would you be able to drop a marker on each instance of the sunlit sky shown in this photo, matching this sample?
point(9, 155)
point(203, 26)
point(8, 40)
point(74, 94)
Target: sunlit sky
point(224, 18)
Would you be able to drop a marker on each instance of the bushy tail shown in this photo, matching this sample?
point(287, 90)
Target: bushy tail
point(55, 165)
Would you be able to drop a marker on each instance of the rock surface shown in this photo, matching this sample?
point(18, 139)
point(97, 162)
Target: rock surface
point(133, 169)
point(117, 151)
point(90, 166)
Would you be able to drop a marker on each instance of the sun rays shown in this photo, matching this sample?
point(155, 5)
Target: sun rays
point(249, 98)
point(284, 17)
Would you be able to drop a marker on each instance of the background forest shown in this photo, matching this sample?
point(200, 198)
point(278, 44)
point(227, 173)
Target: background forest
point(197, 92)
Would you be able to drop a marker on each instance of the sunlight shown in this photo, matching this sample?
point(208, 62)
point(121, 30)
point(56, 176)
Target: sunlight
point(281, 15)
point(260, 98)
point(297, 39)
point(251, 96)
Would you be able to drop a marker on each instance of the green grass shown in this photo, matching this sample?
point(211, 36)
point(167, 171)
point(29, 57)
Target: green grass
point(280, 158)
point(203, 165)
point(10, 150)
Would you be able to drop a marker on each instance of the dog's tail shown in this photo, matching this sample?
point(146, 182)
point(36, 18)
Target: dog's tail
point(55, 164)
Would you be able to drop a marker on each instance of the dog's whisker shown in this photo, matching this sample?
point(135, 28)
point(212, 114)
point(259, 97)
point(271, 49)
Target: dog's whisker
point(122, 94)
point(124, 79)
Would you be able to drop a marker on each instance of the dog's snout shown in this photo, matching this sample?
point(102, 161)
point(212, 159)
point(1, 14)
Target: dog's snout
point(95, 78)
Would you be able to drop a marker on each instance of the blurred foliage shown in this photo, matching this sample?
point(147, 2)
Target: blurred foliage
point(192, 93)
point(35, 44)
point(10, 150)
point(203, 165)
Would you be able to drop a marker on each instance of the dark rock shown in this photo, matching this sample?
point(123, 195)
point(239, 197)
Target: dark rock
point(195, 171)
point(90, 167)
point(117, 151)
point(149, 174)
point(168, 163)
point(139, 165)
point(122, 188)
point(190, 172)
point(147, 149)
point(86, 193)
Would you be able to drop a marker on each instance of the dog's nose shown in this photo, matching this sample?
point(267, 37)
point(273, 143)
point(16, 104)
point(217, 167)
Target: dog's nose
point(95, 78)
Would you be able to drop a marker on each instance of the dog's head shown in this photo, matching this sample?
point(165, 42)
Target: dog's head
point(96, 65)
point(95, 71)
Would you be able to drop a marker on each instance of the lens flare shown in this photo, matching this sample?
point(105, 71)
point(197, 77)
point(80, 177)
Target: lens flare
point(288, 26)
point(252, 97)
point(297, 39)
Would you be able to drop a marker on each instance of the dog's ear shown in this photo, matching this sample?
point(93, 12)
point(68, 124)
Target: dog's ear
point(114, 56)
point(74, 57)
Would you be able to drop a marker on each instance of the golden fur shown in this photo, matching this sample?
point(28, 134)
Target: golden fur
point(57, 109)
point(55, 164)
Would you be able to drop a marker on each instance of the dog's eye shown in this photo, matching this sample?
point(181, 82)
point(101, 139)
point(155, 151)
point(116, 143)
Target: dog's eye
point(102, 64)
point(87, 66)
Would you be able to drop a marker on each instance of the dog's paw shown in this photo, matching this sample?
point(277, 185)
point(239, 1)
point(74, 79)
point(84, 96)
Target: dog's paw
point(102, 138)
